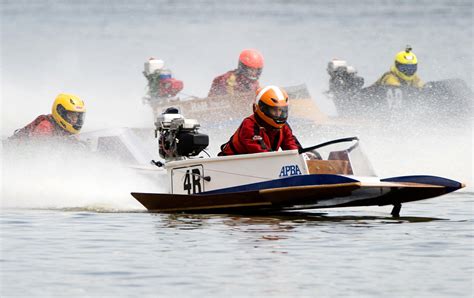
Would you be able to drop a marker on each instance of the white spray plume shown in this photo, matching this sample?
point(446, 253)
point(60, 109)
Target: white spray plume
point(64, 177)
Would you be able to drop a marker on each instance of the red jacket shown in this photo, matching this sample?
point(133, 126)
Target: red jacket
point(42, 126)
point(253, 137)
point(231, 83)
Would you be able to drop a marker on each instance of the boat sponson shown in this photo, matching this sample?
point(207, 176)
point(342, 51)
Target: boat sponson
point(451, 185)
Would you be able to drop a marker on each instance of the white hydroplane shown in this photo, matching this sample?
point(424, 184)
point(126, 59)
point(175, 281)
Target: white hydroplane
point(328, 175)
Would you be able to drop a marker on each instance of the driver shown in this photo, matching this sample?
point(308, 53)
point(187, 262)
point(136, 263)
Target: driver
point(67, 117)
point(241, 80)
point(403, 72)
point(267, 129)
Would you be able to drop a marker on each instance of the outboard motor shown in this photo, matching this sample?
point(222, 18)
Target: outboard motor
point(343, 78)
point(169, 86)
point(179, 137)
point(161, 84)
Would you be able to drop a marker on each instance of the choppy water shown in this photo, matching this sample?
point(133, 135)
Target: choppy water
point(70, 228)
point(428, 252)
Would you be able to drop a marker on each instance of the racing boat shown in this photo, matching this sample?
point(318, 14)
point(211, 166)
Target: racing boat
point(328, 175)
point(437, 100)
point(229, 108)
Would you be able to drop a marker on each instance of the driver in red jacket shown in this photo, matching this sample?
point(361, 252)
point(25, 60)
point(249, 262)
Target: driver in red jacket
point(266, 130)
point(244, 79)
point(66, 119)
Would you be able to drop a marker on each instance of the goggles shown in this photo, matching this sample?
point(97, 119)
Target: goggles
point(406, 69)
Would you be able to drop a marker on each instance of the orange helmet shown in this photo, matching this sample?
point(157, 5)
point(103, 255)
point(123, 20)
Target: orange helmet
point(271, 105)
point(250, 64)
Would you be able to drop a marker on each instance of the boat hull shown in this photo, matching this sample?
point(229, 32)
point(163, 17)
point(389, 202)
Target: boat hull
point(301, 192)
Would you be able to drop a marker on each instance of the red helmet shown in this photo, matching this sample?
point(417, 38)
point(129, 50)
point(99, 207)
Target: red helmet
point(250, 64)
point(271, 105)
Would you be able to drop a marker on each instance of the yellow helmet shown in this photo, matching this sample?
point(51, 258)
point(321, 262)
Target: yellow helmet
point(69, 111)
point(405, 64)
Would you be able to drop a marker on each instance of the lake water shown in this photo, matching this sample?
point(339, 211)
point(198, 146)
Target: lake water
point(428, 252)
point(69, 227)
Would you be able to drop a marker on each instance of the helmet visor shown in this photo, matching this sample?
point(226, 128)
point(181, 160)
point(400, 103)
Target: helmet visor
point(406, 69)
point(76, 119)
point(278, 114)
point(249, 72)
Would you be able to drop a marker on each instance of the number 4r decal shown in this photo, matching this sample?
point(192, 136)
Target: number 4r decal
point(188, 180)
point(192, 181)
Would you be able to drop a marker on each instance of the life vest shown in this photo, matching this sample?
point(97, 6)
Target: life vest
point(231, 83)
point(43, 125)
point(390, 78)
point(236, 145)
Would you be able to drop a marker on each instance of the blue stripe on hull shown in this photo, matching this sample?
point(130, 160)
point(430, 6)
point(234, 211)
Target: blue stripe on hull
point(301, 180)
